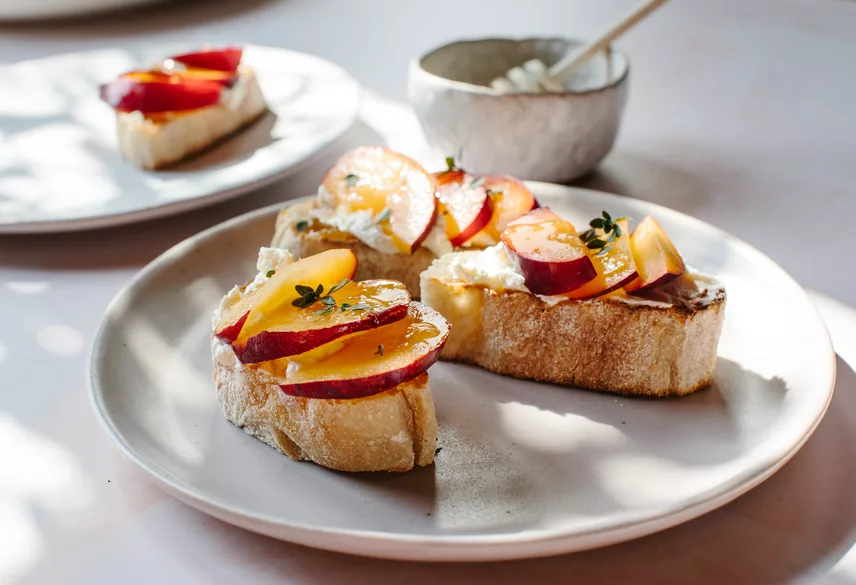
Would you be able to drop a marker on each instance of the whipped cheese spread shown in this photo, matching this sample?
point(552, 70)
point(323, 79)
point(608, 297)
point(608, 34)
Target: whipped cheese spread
point(498, 268)
point(269, 259)
point(361, 224)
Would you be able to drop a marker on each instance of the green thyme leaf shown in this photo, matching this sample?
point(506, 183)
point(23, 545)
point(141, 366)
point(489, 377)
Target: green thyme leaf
point(617, 230)
point(595, 244)
point(345, 306)
point(301, 226)
point(270, 273)
point(437, 451)
point(477, 182)
point(357, 307)
point(328, 300)
point(450, 163)
point(492, 193)
point(324, 311)
point(606, 216)
point(306, 302)
point(303, 290)
point(319, 290)
point(596, 222)
point(351, 179)
point(383, 215)
point(338, 286)
point(298, 302)
point(587, 235)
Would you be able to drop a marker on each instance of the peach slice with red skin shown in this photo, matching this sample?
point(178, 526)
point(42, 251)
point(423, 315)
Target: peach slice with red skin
point(657, 260)
point(152, 92)
point(225, 59)
point(552, 256)
point(373, 361)
point(258, 311)
point(614, 266)
point(374, 178)
point(297, 330)
point(507, 199)
point(465, 205)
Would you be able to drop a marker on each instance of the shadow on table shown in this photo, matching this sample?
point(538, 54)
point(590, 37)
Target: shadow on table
point(802, 519)
point(138, 243)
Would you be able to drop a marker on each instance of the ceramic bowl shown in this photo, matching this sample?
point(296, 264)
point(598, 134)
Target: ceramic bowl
point(552, 137)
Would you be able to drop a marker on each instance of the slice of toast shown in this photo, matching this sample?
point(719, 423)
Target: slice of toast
point(608, 344)
point(372, 264)
point(154, 144)
point(390, 431)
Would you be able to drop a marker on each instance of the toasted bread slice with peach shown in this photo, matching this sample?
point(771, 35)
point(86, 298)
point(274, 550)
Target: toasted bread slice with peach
point(328, 369)
point(182, 107)
point(603, 309)
point(396, 217)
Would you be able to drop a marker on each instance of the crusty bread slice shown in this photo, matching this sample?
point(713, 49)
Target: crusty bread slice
point(390, 431)
point(596, 344)
point(154, 144)
point(371, 264)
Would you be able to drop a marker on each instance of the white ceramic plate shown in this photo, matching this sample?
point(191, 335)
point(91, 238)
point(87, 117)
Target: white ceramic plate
point(60, 169)
point(525, 470)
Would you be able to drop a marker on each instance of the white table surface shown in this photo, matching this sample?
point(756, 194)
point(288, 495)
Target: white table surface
point(741, 113)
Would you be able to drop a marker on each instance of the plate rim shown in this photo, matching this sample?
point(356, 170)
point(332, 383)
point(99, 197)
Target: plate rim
point(447, 548)
point(169, 208)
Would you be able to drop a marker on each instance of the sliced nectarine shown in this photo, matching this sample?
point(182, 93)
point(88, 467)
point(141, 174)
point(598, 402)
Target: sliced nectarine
point(378, 179)
point(465, 205)
point(511, 199)
point(614, 266)
point(356, 306)
point(372, 361)
point(259, 309)
point(553, 258)
point(225, 59)
point(657, 260)
point(153, 92)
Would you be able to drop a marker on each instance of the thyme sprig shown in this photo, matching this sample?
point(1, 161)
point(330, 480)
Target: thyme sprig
point(351, 179)
point(602, 233)
point(309, 296)
point(454, 162)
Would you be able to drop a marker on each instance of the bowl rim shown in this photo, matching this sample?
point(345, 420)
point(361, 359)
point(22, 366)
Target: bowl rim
point(416, 63)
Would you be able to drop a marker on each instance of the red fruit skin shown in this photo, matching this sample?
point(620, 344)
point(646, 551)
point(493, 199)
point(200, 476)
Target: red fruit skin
point(169, 95)
point(226, 59)
point(368, 386)
point(666, 278)
point(556, 278)
point(230, 334)
point(415, 245)
point(272, 345)
point(477, 225)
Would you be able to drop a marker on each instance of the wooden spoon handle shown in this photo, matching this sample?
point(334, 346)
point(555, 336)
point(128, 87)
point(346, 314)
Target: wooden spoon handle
point(563, 70)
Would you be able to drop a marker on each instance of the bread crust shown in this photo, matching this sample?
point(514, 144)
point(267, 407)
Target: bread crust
point(390, 431)
point(595, 344)
point(371, 263)
point(156, 145)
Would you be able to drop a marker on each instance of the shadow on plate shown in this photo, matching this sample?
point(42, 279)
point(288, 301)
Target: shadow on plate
point(802, 519)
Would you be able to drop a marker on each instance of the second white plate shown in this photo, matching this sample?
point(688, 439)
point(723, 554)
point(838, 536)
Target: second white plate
point(60, 169)
point(525, 469)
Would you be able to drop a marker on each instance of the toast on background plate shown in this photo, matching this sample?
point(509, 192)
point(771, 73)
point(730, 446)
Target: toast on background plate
point(326, 369)
point(396, 217)
point(184, 105)
point(603, 309)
